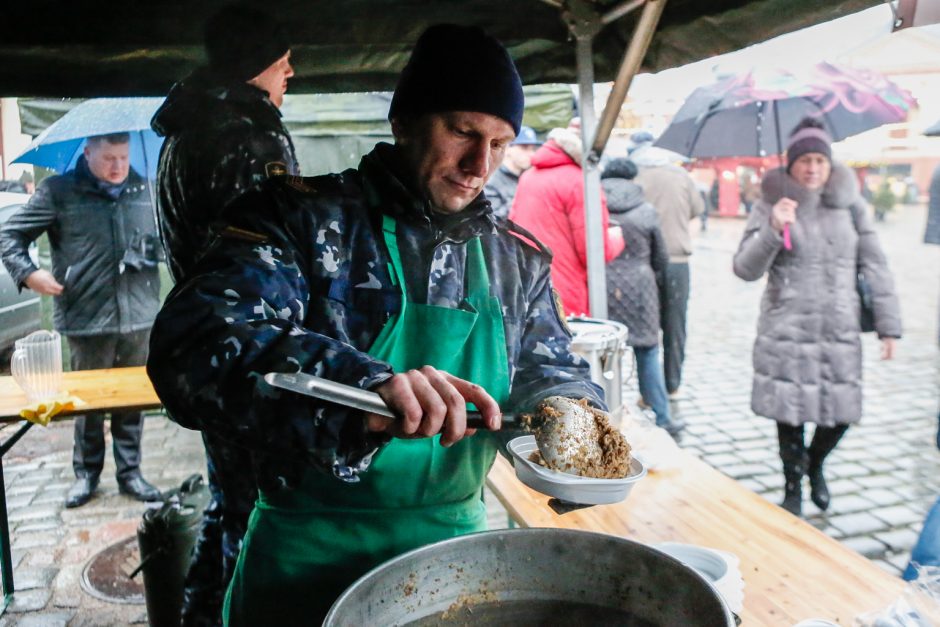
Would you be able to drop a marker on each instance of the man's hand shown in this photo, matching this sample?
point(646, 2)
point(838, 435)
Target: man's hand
point(783, 213)
point(431, 401)
point(42, 282)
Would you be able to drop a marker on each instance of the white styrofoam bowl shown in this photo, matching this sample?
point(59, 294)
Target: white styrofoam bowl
point(567, 487)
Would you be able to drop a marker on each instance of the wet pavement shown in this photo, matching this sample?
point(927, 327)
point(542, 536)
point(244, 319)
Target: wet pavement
point(883, 476)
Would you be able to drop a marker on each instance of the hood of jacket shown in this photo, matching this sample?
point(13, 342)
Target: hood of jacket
point(199, 98)
point(622, 195)
point(841, 190)
point(650, 156)
point(562, 148)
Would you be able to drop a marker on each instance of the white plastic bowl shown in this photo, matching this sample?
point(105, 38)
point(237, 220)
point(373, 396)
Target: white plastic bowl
point(720, 568)
point(567, 487)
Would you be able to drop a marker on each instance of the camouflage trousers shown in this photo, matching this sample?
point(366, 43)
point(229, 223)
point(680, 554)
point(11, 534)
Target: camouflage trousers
point(233, 493)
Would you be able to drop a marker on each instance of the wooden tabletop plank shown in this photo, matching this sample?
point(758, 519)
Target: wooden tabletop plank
point(102, 390)
point(792, 571)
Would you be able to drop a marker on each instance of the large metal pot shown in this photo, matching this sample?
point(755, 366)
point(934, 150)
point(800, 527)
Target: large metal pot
point(528, 577)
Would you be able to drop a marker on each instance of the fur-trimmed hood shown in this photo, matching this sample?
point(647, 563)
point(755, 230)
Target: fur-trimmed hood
point(568, 141)
point(841, 190)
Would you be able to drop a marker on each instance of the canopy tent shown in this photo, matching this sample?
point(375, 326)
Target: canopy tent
point(361, 45)
point(331, 132)
point(50, 48)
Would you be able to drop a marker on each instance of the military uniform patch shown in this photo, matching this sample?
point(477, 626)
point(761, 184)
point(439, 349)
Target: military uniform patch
point(275, 168)
point(243, 235)
point(300, 184)
point(559, 308)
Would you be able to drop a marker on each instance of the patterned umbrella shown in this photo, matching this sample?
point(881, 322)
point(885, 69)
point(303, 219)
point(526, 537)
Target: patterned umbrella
point(59, 146)
point(752, 114)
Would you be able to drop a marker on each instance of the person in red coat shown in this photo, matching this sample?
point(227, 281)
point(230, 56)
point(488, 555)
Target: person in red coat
point(549, 202)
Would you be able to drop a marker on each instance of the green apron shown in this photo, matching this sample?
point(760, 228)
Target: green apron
point(305, 546)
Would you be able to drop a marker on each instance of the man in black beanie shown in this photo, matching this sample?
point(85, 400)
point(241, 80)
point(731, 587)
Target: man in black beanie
point(223, 134)
point(393, 277)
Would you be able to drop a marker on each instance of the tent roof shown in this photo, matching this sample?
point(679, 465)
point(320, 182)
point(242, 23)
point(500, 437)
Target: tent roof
point(53, 48)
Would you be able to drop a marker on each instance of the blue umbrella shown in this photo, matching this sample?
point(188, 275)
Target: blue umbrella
point(60, 145)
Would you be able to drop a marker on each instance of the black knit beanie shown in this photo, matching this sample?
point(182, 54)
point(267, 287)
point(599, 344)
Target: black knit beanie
point(459, 68)
point(808, 136)
point(242, 41)
point(620, 168)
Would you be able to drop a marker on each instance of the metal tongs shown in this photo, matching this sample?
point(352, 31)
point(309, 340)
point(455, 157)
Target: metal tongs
point(560, 440)
point(357, 398)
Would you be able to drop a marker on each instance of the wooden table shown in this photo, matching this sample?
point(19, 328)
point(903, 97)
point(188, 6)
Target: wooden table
point(112, 389)
point(791, 570)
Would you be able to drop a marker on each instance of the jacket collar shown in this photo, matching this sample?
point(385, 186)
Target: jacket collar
point(384, 174)
point(840, 190)
point(96, 186)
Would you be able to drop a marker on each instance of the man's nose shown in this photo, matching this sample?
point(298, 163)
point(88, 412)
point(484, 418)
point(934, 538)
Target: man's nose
point(290, 71)
point(476, 161)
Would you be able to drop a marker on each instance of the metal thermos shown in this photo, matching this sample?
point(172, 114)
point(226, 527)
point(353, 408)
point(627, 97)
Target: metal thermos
point(166, 536)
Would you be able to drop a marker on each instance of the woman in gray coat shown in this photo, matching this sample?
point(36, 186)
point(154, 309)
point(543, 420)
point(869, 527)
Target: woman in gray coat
point(811, 235)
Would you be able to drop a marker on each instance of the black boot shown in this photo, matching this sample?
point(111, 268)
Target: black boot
point(81, 491)
point(824, 441)
point(794, 458)
point(819, 491)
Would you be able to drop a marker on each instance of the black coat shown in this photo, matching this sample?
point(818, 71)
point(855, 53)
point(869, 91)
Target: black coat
point(104, 251)
point(633, 276)
point(220, 140)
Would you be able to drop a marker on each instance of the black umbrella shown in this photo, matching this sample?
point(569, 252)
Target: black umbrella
point(752, 114)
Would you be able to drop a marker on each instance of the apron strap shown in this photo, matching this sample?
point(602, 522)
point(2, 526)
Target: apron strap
point(478, 278)
point(395, 269)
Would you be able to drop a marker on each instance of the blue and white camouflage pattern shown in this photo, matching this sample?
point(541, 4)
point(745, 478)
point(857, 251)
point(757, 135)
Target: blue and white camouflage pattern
point(314, 295)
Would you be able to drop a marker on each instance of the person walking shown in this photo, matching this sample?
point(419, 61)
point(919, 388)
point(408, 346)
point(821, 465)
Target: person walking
point(808, 354)
point(224, 134)
point(633, 279)
point(501, 189)
point(550, 203)
point(672, 191)
point(393, 277)
point(105, 288)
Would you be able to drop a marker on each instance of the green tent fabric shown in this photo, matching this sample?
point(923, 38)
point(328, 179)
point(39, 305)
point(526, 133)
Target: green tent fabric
point(332, 131)
point(65, 49)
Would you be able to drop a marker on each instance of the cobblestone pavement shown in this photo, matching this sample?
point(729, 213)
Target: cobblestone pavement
point(884, 474)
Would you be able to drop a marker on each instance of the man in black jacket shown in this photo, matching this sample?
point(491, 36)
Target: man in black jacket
point(105, 285)
point(223, 134)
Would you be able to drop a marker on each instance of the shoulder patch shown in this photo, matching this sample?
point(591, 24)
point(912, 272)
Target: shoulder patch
point(275, 168)
point(242, 235)
point(560, 310)
point(300, 183)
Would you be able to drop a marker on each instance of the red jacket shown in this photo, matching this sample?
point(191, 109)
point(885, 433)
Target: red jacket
point(549, 202)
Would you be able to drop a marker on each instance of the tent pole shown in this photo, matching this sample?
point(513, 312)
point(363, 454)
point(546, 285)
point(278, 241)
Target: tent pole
point(629, 66)
point(597, 278)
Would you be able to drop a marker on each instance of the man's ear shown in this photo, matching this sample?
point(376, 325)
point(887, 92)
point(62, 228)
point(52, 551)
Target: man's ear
point(401, 129)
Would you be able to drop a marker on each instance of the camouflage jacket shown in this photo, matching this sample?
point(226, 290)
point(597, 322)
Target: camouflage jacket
point(220, 140)
point(299, 281)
